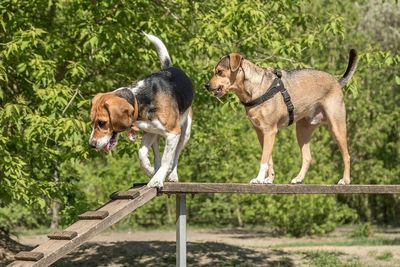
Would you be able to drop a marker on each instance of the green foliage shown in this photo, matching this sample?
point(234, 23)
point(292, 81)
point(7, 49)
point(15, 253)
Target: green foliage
point(363, 230)
point(17, 215)
point(383, 15)
point(56, 55)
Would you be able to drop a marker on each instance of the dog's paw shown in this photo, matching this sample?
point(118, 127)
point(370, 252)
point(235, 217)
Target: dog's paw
point(296, 181)
point(269, 181)
point(258, 181)
point(158, 183)
point(341, 182)
point(173, 177)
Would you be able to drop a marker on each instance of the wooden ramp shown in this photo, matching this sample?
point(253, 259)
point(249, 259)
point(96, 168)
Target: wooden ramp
point(93, 222)
point(90, 223)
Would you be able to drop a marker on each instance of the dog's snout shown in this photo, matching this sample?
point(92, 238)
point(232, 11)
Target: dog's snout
point(92, 145)
point(207, 85)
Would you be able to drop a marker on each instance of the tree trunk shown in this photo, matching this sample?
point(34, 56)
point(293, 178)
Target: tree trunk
point(56, 205)
point(240, 222)
point(54, 211)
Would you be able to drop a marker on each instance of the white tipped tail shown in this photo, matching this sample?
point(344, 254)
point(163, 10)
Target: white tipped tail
point(161, 51)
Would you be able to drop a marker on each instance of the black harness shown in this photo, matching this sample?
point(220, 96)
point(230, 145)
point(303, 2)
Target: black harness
point(276, 86)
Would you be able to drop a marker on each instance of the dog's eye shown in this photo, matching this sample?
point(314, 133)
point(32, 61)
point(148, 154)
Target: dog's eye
point(101, 124)
point(219, 72)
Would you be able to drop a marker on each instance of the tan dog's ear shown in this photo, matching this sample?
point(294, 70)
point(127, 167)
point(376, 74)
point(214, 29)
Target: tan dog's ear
point(121, 113)
point(235, 60)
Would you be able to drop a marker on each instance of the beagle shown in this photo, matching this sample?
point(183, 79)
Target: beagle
point(160, 105)
point(309, 98)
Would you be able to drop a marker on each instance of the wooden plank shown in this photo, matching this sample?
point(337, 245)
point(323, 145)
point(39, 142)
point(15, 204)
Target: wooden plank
point(93, 215)
point(62, 235)
point(132, 193)
point(136, 185)
point(125, 195)
point(117, 209)
point(193, 188)
point(29, 256)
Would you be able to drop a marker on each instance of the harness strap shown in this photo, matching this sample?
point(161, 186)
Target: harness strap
point(275, 87)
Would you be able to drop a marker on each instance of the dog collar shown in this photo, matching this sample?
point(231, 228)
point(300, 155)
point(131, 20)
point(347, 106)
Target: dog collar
point(276, 86)
point(136, 107)
point(131, 133)
point(127, 94)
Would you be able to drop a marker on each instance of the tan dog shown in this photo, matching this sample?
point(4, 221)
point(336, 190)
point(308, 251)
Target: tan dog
point(317, 98)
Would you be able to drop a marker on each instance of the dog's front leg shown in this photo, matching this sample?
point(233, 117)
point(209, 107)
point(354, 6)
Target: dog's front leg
point(148, 140)
point(268, 144)
point(271, 173)
point(171, 142)
point(156, 152)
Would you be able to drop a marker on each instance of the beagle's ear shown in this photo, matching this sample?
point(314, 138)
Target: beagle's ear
point(235, 60)
point(96, 101)
point(121, 113)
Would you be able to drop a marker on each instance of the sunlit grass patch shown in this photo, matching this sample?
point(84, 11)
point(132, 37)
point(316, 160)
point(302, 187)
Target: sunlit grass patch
point(385, 255)
point(328, 259)
point(350, 242)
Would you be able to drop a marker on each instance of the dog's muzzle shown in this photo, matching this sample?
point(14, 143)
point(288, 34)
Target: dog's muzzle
point(217, 91)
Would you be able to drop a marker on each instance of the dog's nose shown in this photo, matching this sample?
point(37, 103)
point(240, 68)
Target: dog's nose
point(207, 85)
point(92, 145)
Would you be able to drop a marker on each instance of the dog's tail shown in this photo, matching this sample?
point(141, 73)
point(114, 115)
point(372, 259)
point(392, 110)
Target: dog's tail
point(161, 51)
point(351, 68)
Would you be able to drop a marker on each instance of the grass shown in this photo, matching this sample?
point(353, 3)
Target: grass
point(300, 256)
point(283, 262)
point(329, 259)
point(386, 255)
point(234, 263)
point(30, 232)
point(351, 242)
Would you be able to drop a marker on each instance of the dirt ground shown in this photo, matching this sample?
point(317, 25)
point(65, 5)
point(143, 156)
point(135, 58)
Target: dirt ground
point(226, 247)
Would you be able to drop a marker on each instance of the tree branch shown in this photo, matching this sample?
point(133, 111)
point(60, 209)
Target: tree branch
point(175, 17)
point(79, 85)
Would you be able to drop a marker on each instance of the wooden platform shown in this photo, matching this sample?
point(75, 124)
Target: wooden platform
point(93, 222)
point(194, 188)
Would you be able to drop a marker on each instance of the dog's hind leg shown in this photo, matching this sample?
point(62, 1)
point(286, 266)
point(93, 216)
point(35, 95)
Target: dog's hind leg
point(171, 143)
point(336, 115)
point(304, 131)
point(185, 136)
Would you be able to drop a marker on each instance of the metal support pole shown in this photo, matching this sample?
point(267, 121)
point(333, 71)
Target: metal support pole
point(181, 230)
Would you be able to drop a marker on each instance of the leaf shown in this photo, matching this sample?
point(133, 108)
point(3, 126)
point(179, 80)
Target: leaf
point(397, 79)
point(94, 41)
point(21, 67)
